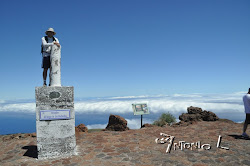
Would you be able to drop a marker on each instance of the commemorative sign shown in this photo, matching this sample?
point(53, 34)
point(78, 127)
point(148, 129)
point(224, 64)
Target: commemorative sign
point(54, 114)
point(140, 109)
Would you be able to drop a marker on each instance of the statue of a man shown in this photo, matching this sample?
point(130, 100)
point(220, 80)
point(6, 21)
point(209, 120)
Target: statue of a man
point(47, 43)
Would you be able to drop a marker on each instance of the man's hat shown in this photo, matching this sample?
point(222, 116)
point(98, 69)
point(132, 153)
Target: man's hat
point(50, 30)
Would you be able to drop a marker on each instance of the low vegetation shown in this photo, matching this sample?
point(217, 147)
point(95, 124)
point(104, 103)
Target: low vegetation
point(166, 118)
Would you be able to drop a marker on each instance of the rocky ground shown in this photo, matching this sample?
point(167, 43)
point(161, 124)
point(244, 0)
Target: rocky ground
point(138, 147)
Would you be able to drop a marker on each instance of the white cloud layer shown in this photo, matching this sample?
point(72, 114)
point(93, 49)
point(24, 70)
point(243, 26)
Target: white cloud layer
point(176, 104)
point(136, 123)
point(96, 126)
point(18, 107)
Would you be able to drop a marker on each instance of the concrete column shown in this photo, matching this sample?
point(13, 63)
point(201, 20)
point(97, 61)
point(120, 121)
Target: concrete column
point(55, 69)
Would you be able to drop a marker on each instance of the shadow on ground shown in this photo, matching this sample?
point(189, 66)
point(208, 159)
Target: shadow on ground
point(239, 137)
point(31, 151)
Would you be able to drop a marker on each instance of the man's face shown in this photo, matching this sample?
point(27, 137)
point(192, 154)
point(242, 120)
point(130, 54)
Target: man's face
point(50, 34)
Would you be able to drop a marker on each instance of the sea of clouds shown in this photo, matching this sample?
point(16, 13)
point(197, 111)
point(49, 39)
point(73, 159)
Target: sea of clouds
point(228, 106)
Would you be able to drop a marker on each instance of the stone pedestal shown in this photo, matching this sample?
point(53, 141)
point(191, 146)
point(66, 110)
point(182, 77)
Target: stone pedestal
point(55, 121)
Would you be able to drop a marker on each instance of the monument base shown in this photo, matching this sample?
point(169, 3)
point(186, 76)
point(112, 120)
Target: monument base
point(55, 122)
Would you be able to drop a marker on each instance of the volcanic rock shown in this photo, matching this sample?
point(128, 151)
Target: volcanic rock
point(209, 116)
point(196, 114)
point(190, 117)
point(117, 123)
point(81, 128)
point(194, 110)
point(148, 125)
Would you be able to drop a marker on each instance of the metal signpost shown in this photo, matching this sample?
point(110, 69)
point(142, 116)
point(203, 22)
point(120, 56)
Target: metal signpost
point(140, 109)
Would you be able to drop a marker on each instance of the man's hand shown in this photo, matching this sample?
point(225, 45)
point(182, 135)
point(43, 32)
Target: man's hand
point(58, 45)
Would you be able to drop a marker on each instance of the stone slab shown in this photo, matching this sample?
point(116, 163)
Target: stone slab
point(55, 138)
point(49, 98)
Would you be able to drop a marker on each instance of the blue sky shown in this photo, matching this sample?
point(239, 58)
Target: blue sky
point(169, 53)
point(132, 47)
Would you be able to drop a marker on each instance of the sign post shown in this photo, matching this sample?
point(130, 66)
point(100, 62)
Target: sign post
point(140, 109)
point(141, 121)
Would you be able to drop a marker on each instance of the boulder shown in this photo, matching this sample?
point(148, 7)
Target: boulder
point(190, 117)
point(209, 116)
point(81, 128)
point(194, 110)
point(117, 123)
point(148, 125)
point(196, 114)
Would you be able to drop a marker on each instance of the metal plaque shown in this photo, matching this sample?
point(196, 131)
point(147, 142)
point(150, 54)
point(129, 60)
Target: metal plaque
point(54, 114)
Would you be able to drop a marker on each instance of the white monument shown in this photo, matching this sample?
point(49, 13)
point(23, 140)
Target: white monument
point(55, 115)
point(55, 68)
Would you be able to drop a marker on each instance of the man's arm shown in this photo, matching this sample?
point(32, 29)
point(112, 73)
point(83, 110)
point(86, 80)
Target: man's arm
point(57, 42)
point(45, 44)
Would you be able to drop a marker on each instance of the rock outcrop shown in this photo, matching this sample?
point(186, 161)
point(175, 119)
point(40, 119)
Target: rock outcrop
point(148, 125)
point(117, 123)
point(81, 128)
point(196, 114)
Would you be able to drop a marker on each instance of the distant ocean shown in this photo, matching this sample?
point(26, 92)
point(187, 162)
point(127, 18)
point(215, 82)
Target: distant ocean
point(11, 123)
point(19, 116)
point(26, 123)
